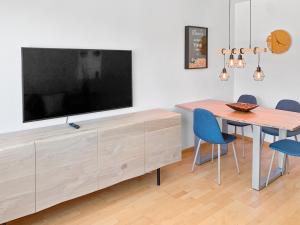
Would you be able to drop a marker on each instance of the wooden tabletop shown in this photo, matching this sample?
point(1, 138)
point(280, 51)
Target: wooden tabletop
point(260, 116)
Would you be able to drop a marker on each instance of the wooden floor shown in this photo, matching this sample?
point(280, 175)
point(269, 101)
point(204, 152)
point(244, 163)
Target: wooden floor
point(186, 198)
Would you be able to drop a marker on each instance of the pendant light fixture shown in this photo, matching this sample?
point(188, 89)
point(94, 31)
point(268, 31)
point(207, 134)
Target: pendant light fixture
point(259, 73)
point(240, 61)
point(224, 75)
point(231, 60)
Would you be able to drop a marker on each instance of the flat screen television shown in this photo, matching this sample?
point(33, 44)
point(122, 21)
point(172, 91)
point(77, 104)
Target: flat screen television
point(64, 82)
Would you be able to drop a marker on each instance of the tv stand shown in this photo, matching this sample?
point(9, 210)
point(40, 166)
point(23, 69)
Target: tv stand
point(43, 167)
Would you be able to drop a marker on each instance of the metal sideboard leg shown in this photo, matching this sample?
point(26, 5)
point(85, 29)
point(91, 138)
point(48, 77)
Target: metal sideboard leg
point(158, 177)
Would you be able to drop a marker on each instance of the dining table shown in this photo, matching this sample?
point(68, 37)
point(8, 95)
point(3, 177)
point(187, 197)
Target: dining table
point(258, 118)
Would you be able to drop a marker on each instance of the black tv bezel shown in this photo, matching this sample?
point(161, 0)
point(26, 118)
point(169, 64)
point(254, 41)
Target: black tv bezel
point(75, 114)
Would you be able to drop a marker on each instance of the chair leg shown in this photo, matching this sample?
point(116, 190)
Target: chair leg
point(252, 128)
point(243, 138)
point(196, 155)
point(212, 152)
point(235, 158)
point(296, 138)
point(234, 130)
point(219, 164)
point(270, 169)
point(285, 164)
point(287, 161)
point(274, 138)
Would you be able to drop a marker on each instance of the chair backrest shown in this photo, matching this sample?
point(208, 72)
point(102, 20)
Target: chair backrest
point(206, 127)
point(288, 105)
point(248, 99)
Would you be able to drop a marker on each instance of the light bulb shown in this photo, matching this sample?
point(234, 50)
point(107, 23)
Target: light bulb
point(240, 62)
point(224, 76)
point(258, 74)
point(231, 61)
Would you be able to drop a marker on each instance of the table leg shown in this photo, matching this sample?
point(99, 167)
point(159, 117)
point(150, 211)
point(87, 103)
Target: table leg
point(207, 157)
point(258, 182)
point(256, 158)
point(277, 172)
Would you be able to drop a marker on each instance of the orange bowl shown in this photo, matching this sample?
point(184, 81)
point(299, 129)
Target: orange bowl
point(242, 107)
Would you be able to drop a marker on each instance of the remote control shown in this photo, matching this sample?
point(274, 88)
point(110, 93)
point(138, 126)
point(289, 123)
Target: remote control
point(74, 125)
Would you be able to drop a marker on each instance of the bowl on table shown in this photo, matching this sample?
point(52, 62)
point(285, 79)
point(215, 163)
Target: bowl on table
point(242, 107)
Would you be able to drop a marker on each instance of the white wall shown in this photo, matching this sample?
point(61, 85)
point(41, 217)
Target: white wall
point(282, 77)
point(154, 30)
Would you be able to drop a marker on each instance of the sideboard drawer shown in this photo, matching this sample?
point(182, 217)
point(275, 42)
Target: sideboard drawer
point(162, 142)
point(121, 154)
point(17, 182)
point(66, 168)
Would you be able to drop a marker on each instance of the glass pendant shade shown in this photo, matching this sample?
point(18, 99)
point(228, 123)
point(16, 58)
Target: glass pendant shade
point(258, 74)
point(231, 61)
point(240, 62)
point(224, 76)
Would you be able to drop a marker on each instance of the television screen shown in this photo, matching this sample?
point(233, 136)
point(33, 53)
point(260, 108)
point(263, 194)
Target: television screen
point(63, 82)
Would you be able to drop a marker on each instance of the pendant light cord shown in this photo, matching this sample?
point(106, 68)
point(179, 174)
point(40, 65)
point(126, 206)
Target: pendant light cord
point(229, 25)
point(250, 39)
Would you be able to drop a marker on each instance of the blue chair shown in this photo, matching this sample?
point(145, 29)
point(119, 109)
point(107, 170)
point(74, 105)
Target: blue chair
point(206, 128)
point(287, 105)
point(288, 148)
point(246, 99)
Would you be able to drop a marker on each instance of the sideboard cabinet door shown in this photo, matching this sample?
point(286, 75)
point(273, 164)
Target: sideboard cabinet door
point(163, 142)
point(17, 182)
point(66, 167)
point(121, 154)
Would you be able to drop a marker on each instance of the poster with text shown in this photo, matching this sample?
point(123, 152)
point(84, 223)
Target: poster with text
point(196, 42)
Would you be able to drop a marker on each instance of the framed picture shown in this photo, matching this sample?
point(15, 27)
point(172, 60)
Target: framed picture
point(196, 43)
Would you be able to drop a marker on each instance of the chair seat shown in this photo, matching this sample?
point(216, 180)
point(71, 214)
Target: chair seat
point(228, 138)
point(275, 132)
point(237, 124)
point(286, 146)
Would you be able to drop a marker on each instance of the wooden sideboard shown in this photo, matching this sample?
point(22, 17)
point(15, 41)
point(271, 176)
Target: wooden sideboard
point(43, 167)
